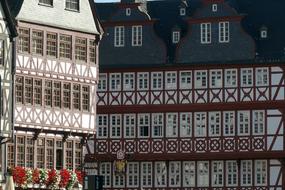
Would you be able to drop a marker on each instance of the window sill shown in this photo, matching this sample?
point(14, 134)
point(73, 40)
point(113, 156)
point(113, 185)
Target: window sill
point(72, 10)
point(45, 5)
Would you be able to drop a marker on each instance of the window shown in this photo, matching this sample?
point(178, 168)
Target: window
point(10, 156)
point(38, 92)
point(128, 81)
point(146, 174)
point(46, 2)
point(59, 155)
point(29, 90)
point(102, 85)
point(2, 56)
point(205, 33)
point(102, 126)
point(37, 42)
point(258, 122)
point(203, 174)
point(105, 171)
point(78, 156)
point(229, 123)
point(217, 173)
point(186, 124)
point(19, 89)
point(230, 77)
point(21, 151)
point(185, 79)
point(243, 122)
point(246, 77)
point(48, 93)
point(72, 5)
point(200, 79)
point(66, 95)
point(214, 7)
point(260, 172)
point(136, 35)
point(246, 172)
point(214, 123)
point(231, 173)
point(157, 125)
point(51, 44)
point(23, 40)
point(68, 155)
point(57, 94)
point(40, 153)
point(119, 36)
point(133, 174)
point(115, 125)
point(119, 181)
point(156, 79)
point(174, 174)
point(160, 174)
point(130, 125)
point(182, 11)
point(263, 33)
point(80, 49)
point(216, 78)
point(65, 46)
point(92, 51)
point(50, 154)
point(85, 98)
point(76, 96)
point(170, 80)
point(128, 11)
point(171, 125)
point(188, 174)
point(29, 152)
point(261, 76)
point(175, 37)
point(200, 124)
point(143, 125)
point(224, 32)
point(142, 81)
point(115, 82)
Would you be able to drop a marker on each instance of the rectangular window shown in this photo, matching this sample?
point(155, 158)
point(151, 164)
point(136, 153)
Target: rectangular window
point(185, 80)
point(156, 81)
point(189, 174)
point(216, 79)
point(51, 44)
point(133, 174)
point(160, 174)
point(203, 174)
point(142, 81)
point(119, 36)
point(76, 96)
point(200, 79)
point(2, 56)
point(115, 82)
point(28, 90)
point(19, 89)
point(69, 155)
point(243, 122)
point(46, 2)
point(230, 77)
point(102, 126)
point(129, 81)
point(157, 125)
point(105, 171)
point(146, 174)
point(65, 45)
point(85, 98)
point(40, 153)
point(214, 124)
point(246, 172)
point(23, 40)
point(130, 125)
point(66, 95)
point(143, 125)
point(200, 124)
point(118, 181)
point(38, 92)
point(205, 33)
point(217, 173)
point(37, 42)
point(136, 35)
point(102, 85)
point(260, 172)
point(262, 76)
point(175, 37)
point(171, 125)
point(72, 5)
point(186, 124)
point(92, 51)
point(231, 173)
point(174, 174)
point(21, 151)
point(246, 77)
point(115, 124)
point(258, 122)
point(50, 154)
point(80, 49)
point(10, 156)
point(224, 32)
point(29, 153)
point(229, 123)
point(78, 156)
point(170, 80)
point(57, 94)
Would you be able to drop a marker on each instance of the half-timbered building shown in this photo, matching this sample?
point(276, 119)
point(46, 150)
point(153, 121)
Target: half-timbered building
point(55, 82)
point(7, 45)
point(191, 95)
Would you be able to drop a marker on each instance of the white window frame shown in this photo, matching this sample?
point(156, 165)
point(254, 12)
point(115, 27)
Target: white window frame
point(102, 125)
point(128, 11)
point(160, 174)
point(121, 180)
point(231, 173)
point(258, 122)
point(206, 33)
point(129, 125)
point(244, 124)
point(129, 81)
point(116, 126)
point(214, 7)
point(217, 173)
point(200, 124)
point(146, 174)
point(246, 172)
point(185, 124)
point(201, 79)
point(175, 37)
point(156, 80)
point(246, 77)
point(189, 174)
point(203, 175)
point(143, 121)
point(229, 123)
point(214, 124)
point(263, 34)
point(224, 32)
point(216, 78)
point(144, 78)
point(171, 80)
point(185, 80)
point(102, 85)
point(119, 36)
point(262, 76)
point(174, 172)
point(231, 78)
point(137, 35)
point(171, 125)
point(157, 125)
point(260, 172)
point(116, 79)
point(133, 174)
point(182, 11)
point(105, 171)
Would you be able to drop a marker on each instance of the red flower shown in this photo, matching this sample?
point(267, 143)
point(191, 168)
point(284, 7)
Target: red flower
point(80, 176)
point(64, 178)
point(19, 175)
point(51, 177)
point(36, 176)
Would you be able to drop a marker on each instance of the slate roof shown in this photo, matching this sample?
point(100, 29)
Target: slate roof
point(10, 18)
point(258, 14)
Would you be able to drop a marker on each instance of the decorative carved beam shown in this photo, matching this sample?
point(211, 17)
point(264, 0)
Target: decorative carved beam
point(36, 134)
point(65, 136)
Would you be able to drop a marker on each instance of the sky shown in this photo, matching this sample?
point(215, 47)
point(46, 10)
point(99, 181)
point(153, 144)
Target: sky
point(107, 0)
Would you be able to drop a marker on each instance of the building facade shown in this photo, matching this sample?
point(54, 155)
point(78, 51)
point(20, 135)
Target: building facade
point(55, 82)
point(7, 43)
point(191, 95)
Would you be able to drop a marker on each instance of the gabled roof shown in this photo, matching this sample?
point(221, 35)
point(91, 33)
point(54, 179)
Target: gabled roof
point(10, 18)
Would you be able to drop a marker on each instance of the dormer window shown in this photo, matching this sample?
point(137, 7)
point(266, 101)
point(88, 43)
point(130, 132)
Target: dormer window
point(46, 2)
point(175, 37)
point(72, 5)
point(182, 11)
point(263, 33)
point(214, 7)
point(128, 11)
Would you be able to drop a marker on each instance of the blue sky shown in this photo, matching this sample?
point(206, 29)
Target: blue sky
point(106, 0)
